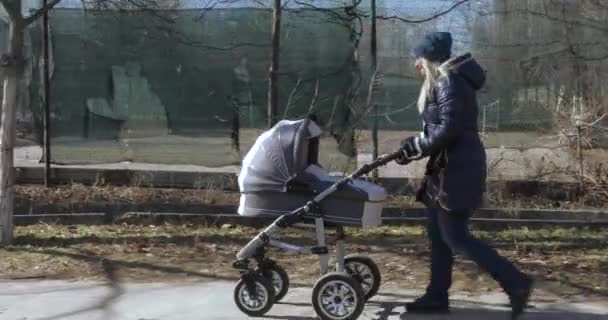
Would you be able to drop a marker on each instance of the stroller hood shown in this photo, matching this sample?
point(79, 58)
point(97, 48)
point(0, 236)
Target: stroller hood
point(279, 155)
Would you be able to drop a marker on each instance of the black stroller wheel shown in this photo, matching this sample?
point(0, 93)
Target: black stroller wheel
point(259, 302)
point(364, 270)
point(278, 278)
point(338, 296)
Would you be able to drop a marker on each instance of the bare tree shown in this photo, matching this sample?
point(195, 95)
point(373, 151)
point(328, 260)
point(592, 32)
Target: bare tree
point(374, 56)
point(273, 86)
point(12, 71)
point(12, 64)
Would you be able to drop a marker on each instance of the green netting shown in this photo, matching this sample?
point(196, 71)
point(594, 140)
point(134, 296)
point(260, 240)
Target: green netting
point(130, 86)
point(126, 89)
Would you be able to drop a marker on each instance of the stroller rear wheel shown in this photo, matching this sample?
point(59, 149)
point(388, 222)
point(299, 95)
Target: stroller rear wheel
point(364, 270)
point(338, 296)
point(254, 296)
point(278, 278)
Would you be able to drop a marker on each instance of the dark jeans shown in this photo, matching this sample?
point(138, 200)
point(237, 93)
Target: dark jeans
point(449, 235)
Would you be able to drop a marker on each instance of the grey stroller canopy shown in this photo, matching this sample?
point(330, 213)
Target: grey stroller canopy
point(281, 173)
point(280, 155)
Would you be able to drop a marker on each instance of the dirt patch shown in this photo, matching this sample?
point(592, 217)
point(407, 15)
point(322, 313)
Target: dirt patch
point(567, 261)
point(77, 193)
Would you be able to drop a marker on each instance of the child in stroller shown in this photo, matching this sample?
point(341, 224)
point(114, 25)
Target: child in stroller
point(281, 178)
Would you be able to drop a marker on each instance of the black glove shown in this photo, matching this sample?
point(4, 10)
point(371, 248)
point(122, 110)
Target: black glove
point(411, 149)
point(402, 160)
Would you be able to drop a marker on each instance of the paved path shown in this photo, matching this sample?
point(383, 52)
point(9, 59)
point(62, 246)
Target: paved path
point(64, 300)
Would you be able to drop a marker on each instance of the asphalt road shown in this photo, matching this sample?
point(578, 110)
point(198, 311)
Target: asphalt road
point(69, 300)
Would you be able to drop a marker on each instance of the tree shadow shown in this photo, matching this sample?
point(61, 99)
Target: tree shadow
point(295, 304)
point(108, 269)
point(91, 257)
point(377, 309)
point(116, 291)
point(289, 317)
point(54, 290)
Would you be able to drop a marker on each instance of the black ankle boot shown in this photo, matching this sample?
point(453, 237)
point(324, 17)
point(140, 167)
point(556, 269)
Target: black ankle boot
point(429, 304)
point(519, 298)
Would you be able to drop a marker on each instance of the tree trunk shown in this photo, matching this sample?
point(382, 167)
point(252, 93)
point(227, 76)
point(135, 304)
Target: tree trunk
point(273, 86)
point(374, 54)
point(12, 67)
point(47, 96)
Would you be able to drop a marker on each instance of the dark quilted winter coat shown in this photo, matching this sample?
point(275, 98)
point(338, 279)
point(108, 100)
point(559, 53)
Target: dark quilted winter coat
point(457, 164)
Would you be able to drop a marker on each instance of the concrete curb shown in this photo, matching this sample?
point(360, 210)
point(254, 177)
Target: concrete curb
point(485, 219)
point(118, 209)
point(480, 223)
point(590, 215)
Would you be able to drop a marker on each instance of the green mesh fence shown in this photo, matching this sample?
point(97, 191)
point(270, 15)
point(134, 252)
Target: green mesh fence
point(179, 86)
point(129, 87)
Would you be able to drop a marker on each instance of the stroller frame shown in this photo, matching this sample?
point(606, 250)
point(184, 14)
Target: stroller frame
point(256, 248)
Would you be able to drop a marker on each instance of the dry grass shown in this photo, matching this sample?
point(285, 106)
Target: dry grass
point(77, 193)
point(114, 194)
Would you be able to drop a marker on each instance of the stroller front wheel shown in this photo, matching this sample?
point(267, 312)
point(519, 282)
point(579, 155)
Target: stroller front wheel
point(278, 278)
point(254, 296)
point(366, 271)
point(338, 296)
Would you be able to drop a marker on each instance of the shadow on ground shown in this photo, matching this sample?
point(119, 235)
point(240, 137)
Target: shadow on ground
point(391, 244)
point(396, 310)
point(110, 265)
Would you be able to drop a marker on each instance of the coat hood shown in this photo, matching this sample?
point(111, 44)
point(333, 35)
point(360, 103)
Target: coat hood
point(466, 66)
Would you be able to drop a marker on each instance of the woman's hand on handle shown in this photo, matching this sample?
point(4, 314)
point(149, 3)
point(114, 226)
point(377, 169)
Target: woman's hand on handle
point(402, 161)
point(396, 156)
point(411, 149)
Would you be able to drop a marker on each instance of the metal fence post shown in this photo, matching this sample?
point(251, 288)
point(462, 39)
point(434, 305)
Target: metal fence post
point(47, 94)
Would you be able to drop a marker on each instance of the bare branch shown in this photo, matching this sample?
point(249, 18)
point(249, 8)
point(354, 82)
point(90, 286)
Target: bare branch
point(12, 10)
point(38, 13)
point(293, 98)
point(514, 45)
point(600, 5)
point(184, 39)
point(315, 98)
point(586, 58)
point(433, 17)
point(584, 24)
point(348, 15)
point(211, 7)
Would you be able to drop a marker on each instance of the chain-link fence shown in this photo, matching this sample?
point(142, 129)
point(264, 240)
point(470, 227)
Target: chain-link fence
point(186, 82)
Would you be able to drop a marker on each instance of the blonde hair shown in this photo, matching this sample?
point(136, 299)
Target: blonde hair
point(432, 72)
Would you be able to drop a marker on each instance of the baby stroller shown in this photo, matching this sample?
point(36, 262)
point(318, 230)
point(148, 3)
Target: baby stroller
point(281, 179)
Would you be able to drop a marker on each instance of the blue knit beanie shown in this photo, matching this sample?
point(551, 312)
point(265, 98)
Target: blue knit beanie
point(435, 47)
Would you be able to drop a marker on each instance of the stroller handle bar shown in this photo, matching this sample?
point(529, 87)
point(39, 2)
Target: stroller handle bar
point(381, 161)
point(365, 169)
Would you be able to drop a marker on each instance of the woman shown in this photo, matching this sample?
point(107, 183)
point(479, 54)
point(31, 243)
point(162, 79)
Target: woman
point(456, 173)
